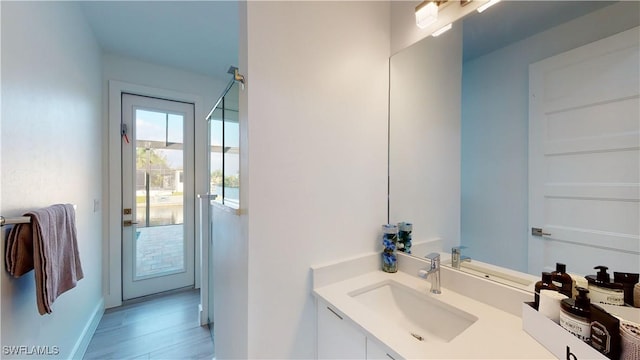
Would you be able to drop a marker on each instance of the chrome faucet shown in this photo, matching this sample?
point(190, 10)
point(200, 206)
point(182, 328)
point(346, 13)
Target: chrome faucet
point(457, 258)
point(433, 271)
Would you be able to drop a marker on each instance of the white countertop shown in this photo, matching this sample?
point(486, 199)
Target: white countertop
point(495, 335)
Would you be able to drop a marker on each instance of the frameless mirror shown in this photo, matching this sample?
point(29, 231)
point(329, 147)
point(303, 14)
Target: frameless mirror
point(459, 162)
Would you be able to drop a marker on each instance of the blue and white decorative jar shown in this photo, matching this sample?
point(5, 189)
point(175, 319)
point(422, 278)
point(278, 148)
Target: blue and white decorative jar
point(389, 241)
point(404, 237)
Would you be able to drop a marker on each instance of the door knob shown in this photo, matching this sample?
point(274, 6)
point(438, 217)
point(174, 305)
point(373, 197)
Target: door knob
point(128, 222)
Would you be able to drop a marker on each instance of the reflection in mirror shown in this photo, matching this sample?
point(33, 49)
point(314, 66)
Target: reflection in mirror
point(460, 162)
point(495, 273)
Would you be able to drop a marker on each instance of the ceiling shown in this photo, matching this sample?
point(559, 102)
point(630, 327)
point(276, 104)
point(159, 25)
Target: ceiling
point(511, 21)
point(197, 36)
point(202, 36)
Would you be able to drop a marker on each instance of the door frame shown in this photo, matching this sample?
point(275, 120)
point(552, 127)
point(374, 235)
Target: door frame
point(112, 230)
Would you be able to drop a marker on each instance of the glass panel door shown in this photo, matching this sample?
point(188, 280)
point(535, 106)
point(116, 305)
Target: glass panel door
point(158, 244)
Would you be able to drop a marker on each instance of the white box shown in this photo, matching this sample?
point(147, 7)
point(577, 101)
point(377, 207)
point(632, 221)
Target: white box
point(557, 340)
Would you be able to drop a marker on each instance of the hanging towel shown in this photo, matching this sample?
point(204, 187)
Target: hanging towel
point(19, 250)
point(55, 253)
point(50, 246)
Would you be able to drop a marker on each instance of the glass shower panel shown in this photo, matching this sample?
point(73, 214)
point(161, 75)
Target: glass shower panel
point(215, 154)
point(231, 148)
point(224, 149)
point(224, 173)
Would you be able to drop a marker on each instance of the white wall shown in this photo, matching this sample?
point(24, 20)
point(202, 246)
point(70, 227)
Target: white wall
point(154, 80)
point(51, 153)
point(495, 110)
point(316, 104)
point(229, 274)
point(230, 238)
point(424, 137)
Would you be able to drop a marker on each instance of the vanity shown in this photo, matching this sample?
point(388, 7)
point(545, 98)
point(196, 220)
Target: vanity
point(364, 313)
point(467, 166)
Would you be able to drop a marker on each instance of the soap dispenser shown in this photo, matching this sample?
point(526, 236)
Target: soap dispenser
point(562, 280)
point(544, 284)
point(575, 315)
point(602, 290)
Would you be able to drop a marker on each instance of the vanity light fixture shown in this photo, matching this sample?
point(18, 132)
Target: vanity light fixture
point(442, 30)
point(426, 14)
point(487, 5)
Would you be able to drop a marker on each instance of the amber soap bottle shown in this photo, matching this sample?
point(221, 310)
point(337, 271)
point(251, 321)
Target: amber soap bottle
point(562, 280)
point(545, 284)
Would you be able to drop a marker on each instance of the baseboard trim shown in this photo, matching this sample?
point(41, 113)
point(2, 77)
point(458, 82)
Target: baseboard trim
point(82, 344)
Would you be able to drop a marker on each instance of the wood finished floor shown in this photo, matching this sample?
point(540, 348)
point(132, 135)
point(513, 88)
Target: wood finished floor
point(161, 327)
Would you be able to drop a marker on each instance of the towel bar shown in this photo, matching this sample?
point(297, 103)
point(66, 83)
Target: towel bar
point(16, 220)
point(20, 219)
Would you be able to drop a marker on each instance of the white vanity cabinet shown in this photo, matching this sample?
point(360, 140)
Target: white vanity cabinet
point(376, 351)
point(338, 337)
point(359, 315)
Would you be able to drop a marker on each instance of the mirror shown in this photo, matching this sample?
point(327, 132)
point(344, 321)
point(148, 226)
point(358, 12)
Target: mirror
point(459, 138)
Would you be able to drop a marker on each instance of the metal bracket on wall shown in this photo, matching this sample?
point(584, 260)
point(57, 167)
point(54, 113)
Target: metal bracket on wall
point(237, 76)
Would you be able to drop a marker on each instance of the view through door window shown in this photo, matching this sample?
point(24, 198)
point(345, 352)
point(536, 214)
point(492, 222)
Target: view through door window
point(159, 193)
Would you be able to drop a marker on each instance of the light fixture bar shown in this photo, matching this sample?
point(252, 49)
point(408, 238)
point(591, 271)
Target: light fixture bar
point(442, 30)
point(426, 14)
point(487, 5)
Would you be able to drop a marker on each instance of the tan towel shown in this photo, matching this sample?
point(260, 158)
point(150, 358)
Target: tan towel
point(19, 250)
point(56, 260)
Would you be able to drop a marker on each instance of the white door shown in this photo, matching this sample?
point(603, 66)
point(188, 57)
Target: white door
point(584, 162)
point(157, 195)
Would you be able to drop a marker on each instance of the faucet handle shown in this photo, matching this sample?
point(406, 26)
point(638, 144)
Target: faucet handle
point(435, 259)
point(432, 256)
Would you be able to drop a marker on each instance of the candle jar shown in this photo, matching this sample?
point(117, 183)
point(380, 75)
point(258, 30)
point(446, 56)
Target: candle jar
point(404, 237)
point(389, 241)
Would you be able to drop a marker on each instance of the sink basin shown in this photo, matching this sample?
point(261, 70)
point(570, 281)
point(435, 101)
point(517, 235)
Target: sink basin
point(423, 316)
